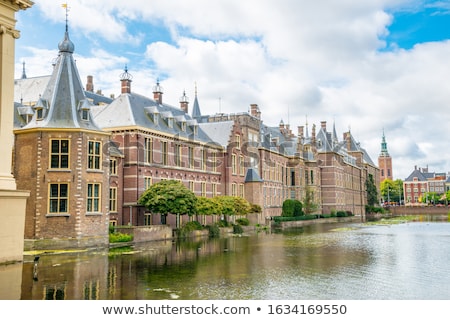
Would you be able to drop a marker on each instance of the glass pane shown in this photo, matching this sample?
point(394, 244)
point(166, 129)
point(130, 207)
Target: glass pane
point(64, 146)
point(53, 191)
point(90, 147)
point(97, 148)
point(53, 205)
point(96, 205)
point(55, 146)
point(96, 190)
point(54, 163)
point(89, 205)
point(63, 205)
point(64, 161)
point(89, 191)
point(63, 188)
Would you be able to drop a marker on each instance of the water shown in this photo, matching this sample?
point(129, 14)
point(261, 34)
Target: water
point(330, 261)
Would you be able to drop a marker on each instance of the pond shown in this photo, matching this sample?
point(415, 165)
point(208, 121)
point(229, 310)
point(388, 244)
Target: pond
point(350, 261)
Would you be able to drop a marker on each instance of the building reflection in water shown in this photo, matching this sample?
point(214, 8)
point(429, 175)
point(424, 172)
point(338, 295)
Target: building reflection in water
point(100, 275)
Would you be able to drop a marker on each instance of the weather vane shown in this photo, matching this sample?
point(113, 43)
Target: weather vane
point(65, 6)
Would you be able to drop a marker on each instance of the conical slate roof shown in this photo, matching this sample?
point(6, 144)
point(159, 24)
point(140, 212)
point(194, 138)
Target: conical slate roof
point(63, 102)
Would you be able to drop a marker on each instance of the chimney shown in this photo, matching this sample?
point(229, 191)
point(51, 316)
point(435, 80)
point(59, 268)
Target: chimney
point(157, 92)
point(184, 103)
point(313, 135)
point(348, 140)
point(300, 131)
point(254, 111)
point(323, 124)
point(125, 80)
point(90, 84)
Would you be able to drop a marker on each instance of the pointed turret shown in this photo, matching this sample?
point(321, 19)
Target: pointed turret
point(64, 102)
point(196, 107)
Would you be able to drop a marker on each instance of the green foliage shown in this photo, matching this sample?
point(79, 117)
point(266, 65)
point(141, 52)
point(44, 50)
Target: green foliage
point(391, 191)
point(186, 229)
point(169, 196)
point(214, 231)
point(278, 219)
point(237, 229)
point(372, 209)
point(227, 204)
point(243, 221)
point(208, 206)
point(255, 208)
point(372, 193)
point(309, 205)
point(120, 237)
point(291, 208)
point(111, 228)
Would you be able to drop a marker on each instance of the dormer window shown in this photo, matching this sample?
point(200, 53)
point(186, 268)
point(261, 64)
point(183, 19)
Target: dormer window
point(39, 108)
point(84, 107)
point(183, 126)
point(85, 114)
point(170, 122)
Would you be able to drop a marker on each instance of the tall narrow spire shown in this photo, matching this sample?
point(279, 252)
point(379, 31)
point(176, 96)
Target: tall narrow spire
point(24, 75)
point(384, 150)
point(196, 107)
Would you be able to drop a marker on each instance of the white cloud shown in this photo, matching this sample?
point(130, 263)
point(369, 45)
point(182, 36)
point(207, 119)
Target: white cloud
point(295, 59)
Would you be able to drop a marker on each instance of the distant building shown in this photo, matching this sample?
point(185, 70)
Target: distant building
point(420, 182)
point(385, 162)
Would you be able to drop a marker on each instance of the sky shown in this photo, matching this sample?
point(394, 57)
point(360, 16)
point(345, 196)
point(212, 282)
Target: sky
point(371, 67)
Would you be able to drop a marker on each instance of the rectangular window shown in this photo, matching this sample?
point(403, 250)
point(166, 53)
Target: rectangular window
point(241, 165)
point(112, 199)
point(147, 219)
point(233, 164)
point(234, 189)
point(204, 158)
point(164, 153)
point(214, 189)
point(58, 198)
point(241, 190)
point(147, 182)
point(238, 141)
point(148, 150)
point(203, 189)
point(191, 157)
point(94, 155)
point(113, 167)
point(93, 197)
point(59, 154)
point(178, 154)
point(192, 186)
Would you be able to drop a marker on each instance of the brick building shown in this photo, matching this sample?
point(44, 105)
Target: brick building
point(89, 158)
point(62, 157)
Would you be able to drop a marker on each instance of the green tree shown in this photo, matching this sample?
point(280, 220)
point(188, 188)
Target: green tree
point(372, 193)
point(391, 191)
point(309, 205)
point(169, 197)
point(291, 208)
point(242, 206)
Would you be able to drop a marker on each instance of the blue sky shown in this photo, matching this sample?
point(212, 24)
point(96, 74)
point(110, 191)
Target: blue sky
point(369, 66)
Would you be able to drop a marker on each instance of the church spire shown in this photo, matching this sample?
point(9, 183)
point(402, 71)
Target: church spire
point(384, 150)
point(24, 75)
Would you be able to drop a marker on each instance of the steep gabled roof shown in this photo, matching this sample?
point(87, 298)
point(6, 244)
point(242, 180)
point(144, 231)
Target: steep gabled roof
point(135, 110)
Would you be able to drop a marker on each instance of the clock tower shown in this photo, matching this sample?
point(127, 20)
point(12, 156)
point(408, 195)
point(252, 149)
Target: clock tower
point(385, 161)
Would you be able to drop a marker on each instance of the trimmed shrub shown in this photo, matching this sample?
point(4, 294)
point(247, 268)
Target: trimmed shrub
point(292, 208)
point(237, 229)
point(243, 221)
point(120, 237)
